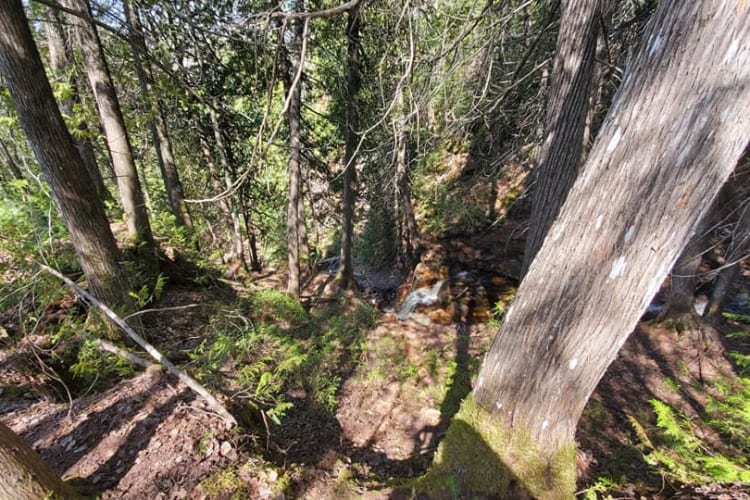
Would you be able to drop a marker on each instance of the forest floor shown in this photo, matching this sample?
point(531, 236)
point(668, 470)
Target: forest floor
point(147, 436)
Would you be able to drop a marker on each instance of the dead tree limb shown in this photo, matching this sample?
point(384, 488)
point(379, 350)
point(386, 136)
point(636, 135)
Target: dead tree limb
point(109, 347)
point(213, 403)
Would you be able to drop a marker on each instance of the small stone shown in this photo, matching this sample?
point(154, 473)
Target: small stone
point(272, 475)
point(226, 447)
point(431, 416)
point(227, 451)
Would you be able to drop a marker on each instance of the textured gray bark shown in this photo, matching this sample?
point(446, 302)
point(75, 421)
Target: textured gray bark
point(113, 123)
point(40, 118)
point(565, 121)
point(157, 123)
point(61, 60)
point(295, 216)
point(23, 473)
point(351, 139)
point(677, 127)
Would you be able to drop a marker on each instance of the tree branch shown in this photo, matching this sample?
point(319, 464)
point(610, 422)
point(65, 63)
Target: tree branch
point(215, 405)
point(83, 15)
point(333, 11)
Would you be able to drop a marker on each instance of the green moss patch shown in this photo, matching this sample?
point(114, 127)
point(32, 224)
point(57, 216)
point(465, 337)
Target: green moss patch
point(481, 457)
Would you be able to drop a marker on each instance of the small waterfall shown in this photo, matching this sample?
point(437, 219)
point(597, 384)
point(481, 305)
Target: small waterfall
point(420, 297)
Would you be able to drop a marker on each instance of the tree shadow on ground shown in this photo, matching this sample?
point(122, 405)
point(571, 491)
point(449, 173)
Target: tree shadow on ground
point(655, 363)
point(95, 428)
point(110, 472)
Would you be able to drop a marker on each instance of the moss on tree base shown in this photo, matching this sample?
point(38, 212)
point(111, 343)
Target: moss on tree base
point(481, 457)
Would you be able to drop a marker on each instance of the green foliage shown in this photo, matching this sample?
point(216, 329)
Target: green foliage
point(170, 233)
point(279, 346)
point(445, 204)
point(741, 360)
point(376, 246)
point(94, 366)
point(145, 295)
point(680, 454)
point(730, 413)
point(740, 318)
point(481, 456)
point(30, 224)
point(601, 486)
point(241, 481)
point(498, 311)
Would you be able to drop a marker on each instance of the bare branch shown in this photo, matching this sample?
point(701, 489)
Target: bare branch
point(333, 11)
point(109, 347)
point(215, 405)
point(83, 15)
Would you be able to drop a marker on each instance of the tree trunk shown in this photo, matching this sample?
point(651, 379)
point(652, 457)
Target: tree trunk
point(61, 60)
point(737, 249)
point(681, 300)
point(113, 123)
point(407, 222)
point(252, 242)
point(40, 118)
point(15, 170)
point(238, 251)
point(213, 173)
point(157, 124)
point(23, 473)
point(295, 209)
point(674, 134)
point(351, 139)
point(565, 121)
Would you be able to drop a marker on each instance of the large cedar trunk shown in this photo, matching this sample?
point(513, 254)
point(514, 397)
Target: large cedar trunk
point(677, 127)
point(40, 118)
point(350, 147)
point(23, 473)
point(565, 121)
point(113, 123)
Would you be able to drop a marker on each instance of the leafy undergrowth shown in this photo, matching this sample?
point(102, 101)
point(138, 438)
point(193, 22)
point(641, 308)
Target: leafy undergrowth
point(670, 419)
point(340, 400)
point(271, 347)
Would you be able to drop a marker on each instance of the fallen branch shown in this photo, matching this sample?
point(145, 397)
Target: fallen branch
point(103, 345)
point(215, 405)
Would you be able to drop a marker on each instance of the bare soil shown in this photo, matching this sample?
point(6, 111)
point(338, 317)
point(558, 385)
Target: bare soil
point(147, 436)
